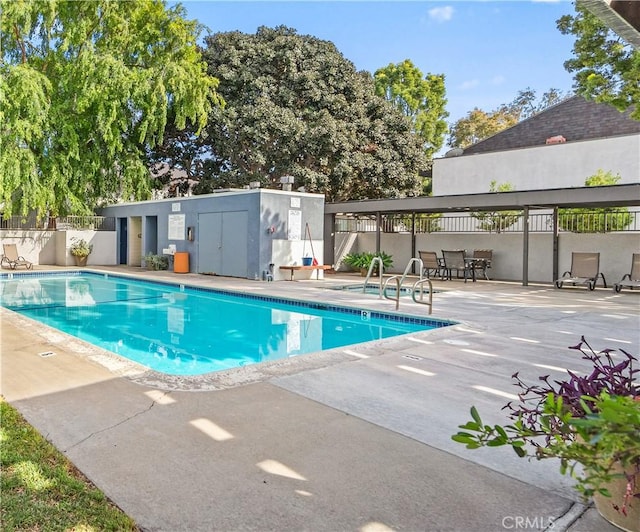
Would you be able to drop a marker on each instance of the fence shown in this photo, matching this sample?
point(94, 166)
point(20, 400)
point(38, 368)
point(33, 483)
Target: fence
point(496, 222)
point(31, 223)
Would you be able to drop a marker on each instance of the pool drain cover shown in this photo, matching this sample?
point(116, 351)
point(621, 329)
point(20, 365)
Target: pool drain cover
point(46, 354)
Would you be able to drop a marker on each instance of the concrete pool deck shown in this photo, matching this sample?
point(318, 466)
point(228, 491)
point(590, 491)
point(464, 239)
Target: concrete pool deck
point(352, 439)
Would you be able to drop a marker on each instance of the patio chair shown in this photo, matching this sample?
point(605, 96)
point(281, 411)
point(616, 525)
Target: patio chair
point(585, 269)
point(12, 259)
point(454, 260)
point(430, 263)
point(630, 280)
point(482, 261)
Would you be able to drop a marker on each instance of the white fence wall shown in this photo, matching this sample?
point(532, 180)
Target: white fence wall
point(52, 247)
point(615, 251)
point(38, 247)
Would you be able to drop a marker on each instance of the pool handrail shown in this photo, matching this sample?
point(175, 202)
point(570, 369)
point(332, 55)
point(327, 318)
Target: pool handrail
point(409, 264)
point(374, 260)
point(395, 278)
point(420, 282)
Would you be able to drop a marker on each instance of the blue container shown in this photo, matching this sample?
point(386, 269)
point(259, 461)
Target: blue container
point(306, 261)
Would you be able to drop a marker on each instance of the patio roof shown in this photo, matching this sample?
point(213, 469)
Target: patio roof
point(588, 197)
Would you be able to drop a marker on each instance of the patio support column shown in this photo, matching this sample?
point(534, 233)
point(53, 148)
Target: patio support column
point(525, 247)
point(413, 240)
point(378, 225)
point(329, 239)
point(556, 236)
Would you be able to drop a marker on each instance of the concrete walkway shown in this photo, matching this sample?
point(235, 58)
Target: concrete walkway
point(353, 439)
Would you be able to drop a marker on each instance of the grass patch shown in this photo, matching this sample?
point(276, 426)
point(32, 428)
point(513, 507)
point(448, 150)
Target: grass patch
point(42, 490)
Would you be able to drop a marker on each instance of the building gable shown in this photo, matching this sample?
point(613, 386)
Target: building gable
point(574, 119)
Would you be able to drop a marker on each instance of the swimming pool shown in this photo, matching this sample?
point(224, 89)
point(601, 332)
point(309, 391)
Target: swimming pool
point(182, 330)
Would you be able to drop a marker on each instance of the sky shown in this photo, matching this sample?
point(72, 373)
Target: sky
point(488, 50)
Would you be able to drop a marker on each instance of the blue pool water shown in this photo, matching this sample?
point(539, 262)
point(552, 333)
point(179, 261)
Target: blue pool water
point(182, 330)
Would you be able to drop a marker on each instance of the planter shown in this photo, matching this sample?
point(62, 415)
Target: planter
point(81, 261)
point(604, 505)
point(306, 261)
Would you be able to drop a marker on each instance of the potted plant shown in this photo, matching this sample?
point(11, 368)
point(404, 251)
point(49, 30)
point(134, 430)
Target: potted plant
point(362, 261)
point(591, 423)
point(80, 249)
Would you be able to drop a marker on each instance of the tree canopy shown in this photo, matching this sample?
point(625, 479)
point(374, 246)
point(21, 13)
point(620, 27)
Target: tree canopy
point(421, 99)
point(295, 106)
point(591, 220)
point(606, 68)
point(84, 88)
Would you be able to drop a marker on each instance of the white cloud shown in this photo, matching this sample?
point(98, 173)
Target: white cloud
point(497, 80)
point(441, 14)
point(470, 84)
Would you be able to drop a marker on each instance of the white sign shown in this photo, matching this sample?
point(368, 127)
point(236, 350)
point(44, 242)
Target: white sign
point(295, 202)
point(175, 207)
point(177, 226)
point(295, 225)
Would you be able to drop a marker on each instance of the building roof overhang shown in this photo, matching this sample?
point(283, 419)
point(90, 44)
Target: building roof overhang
point(583, 197)
point(622, 16)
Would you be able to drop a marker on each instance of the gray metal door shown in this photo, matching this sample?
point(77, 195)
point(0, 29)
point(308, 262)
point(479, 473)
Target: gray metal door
point(222, 243)
point(234, 244)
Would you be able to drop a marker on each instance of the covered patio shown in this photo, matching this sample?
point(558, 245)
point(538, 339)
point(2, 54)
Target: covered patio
point(526, 203)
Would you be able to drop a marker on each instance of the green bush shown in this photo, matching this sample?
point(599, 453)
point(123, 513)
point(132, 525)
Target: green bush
point(362, 261)
point(156, 262)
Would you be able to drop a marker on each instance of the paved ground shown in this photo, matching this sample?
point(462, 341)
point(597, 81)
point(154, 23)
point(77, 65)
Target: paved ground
point(354, 439)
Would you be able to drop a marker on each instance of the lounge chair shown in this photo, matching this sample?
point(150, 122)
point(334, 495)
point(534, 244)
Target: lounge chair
point(585, 269)
point(483, 261)
point(12, 259)
point(630, 280)
point(430, 263)
point(454, 260)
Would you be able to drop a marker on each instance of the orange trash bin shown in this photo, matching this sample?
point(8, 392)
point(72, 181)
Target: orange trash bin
point(181, 262)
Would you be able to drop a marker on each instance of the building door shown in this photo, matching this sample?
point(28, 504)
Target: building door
point(150, 235)
point(122, 251)
point(222, 243)
point(135, 242)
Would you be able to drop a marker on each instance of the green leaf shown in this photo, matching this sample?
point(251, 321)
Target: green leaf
point(462, 437)
point(475, 415)
point(519, 450)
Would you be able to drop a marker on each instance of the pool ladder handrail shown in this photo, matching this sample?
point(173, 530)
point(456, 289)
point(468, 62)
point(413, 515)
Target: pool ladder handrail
point(420, 282)
point(399, 280)
point(375, 260)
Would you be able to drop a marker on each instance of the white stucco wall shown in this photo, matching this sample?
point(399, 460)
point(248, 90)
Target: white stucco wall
point(52, 247)
point(38, 247)
point(104, 247)
point(540, 167)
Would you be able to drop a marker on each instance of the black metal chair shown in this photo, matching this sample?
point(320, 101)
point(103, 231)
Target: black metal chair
point(454, 260)
point(482, 261)
point(430, 263)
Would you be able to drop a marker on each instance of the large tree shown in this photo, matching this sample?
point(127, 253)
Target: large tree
point(85, 87)
point(420, 98)
point(295, 106)
point(606, 68)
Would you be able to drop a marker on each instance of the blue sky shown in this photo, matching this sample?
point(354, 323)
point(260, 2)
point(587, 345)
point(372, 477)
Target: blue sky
point(488, 50)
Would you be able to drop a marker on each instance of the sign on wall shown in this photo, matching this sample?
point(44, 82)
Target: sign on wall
point(294, 225)
point(177, 227)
